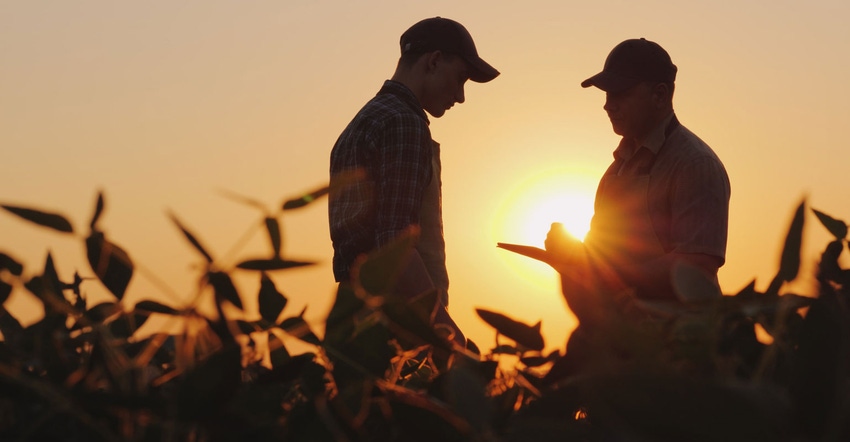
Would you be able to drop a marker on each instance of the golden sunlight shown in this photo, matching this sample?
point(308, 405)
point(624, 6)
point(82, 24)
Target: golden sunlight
point(526, 214)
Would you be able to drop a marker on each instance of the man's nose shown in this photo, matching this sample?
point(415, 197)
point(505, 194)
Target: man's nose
point(460, 97)
point(610, 104)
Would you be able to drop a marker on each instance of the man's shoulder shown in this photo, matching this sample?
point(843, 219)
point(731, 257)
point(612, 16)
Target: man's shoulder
point(686, 144)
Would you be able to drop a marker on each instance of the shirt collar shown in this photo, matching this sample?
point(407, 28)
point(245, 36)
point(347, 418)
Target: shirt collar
point(405, 95)
point(653, 142)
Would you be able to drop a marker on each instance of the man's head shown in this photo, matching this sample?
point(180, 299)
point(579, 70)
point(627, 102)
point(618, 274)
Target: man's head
point(631, 62)
point(639, 79)
point(449, 37)
point(437, 57)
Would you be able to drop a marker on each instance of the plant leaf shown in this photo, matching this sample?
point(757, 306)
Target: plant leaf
point(51, 220)
point(155, 307)
point(224, 288)
point(273, 228)
point(191, 238)
point(102, 311)
point(110, 263)
point(243, 199)
point(837, 227)
point(9, 263)
point(378, 272)
point(5, 291)
point(789, 264)
point(304, 200)
point(266, 265)
point(270, 299)
point(298, 327)
point(98, 210)
point(127, 324)
point(525, 335)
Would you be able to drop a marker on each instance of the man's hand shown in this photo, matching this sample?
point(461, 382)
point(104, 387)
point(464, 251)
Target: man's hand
point(565, 248)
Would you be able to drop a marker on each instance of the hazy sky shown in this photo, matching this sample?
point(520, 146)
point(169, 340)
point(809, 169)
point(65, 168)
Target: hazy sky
point(161, 104)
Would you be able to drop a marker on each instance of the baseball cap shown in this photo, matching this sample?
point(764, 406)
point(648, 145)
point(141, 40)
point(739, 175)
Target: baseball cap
point(632, 62)
point(443, 34)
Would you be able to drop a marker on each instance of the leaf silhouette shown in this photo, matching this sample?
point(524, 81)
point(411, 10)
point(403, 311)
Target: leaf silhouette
point(266, 265)
point(51, 220)
point(304, 200)
point(155, 307)
point(127, 324)
point(98, 210)
point(836, 227)
point(48, 289)
point(110, 263)
point(102, 311)
point(298, 327)
point(5, 291)
point(273, 228)
point(789, 264)
point(378, 272)
point(10, 264)
point(224, 288)
point(277, 352)
point(191, 238)
point(243, 199)
point(527, 336)
point(270, 299)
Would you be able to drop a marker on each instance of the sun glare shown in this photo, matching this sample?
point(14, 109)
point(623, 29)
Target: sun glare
point(563, 196)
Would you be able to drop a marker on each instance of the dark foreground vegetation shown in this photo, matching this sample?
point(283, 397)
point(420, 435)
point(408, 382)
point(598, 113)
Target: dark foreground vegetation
point(381, 373)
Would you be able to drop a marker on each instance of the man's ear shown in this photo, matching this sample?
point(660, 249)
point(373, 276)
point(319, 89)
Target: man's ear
point(432, 59)
point(661, 94)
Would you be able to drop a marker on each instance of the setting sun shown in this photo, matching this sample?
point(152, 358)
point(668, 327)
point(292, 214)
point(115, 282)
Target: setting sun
point(563, 195)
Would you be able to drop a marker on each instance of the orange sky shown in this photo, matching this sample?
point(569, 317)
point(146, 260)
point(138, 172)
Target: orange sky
point(161, 104)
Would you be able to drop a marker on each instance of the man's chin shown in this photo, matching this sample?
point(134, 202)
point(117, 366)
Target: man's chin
point(436, 113)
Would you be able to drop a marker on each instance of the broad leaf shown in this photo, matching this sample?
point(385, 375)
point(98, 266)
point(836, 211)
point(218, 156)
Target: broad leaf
point(127, 324)
point(9, 326)
point(155, 307)
point(270, 299)
point(789, 264)
point(10, 264)
point(5, 291)
point(277, 352)
point(273, 227)
point(534, 361)
point(837, 227)
point(224, 288)
point(48, 289)
point(243, 199)
point(102, 311)
point(296, 326)
point(51, 220)
point(247, 327)
point(304, 200)
point(195, 243)
point(378, 272)
point(268, 265)
point(98, 210)
point(110, 263)
point(525, 335)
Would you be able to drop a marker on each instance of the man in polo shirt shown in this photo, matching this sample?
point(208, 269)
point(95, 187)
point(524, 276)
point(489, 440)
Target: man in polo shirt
point(663, 204)
point(390, 144)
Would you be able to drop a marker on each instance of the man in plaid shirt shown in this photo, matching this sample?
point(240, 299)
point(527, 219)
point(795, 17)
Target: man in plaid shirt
point(388, 146)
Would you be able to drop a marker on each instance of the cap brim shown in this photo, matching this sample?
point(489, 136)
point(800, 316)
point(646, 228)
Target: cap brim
point(609, 82)
point(481, 71)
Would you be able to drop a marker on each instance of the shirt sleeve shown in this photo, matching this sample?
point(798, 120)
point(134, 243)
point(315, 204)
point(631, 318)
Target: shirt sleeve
point(700, 208)
point(403, 172)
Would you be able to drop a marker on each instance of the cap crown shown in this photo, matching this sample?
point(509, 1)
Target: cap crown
point(632, 62)
point(443, 34)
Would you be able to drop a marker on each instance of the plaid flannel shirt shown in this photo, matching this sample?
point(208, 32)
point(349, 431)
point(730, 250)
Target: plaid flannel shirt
point(389, 143)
